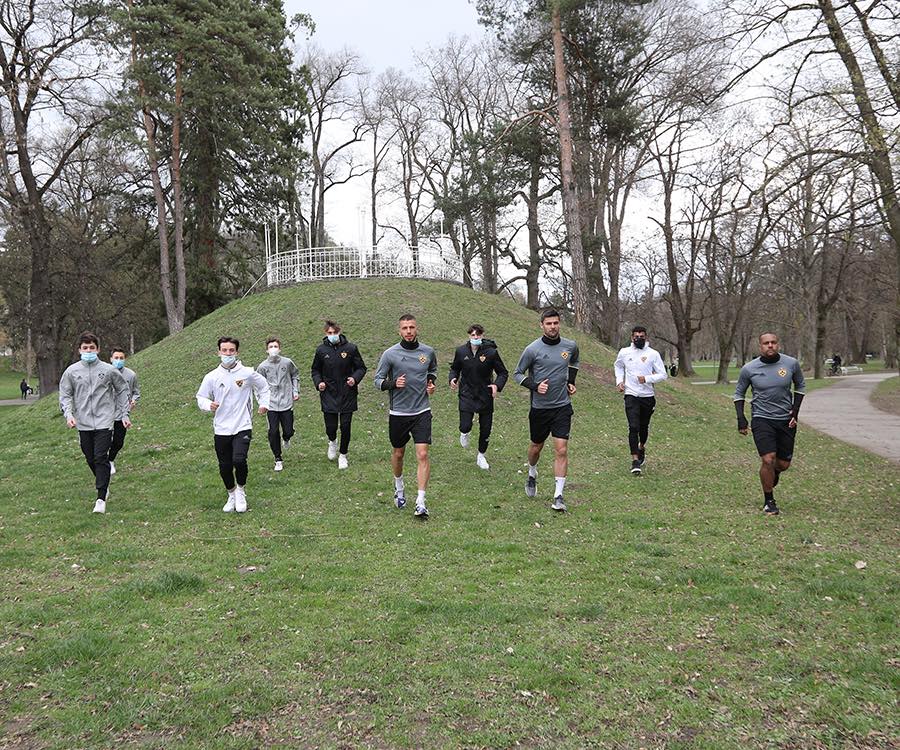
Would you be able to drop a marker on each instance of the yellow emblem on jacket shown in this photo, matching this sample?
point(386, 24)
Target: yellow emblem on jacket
point(782, 372)
point(239, 383)
point(564, 355)
point(343, 355)
point(423, 359)
point(482, 358)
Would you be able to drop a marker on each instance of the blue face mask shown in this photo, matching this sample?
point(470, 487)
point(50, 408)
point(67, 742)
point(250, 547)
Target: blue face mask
point(334, 337)
point(475, 342)
point(228, 359)
point(88, 356)
point(119, 363)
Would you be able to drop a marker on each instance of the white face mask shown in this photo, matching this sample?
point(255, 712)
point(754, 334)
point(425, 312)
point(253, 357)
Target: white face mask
point(274, 351)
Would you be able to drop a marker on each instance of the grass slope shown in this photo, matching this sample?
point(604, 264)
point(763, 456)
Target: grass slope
point(665, 611)
point(886, 396)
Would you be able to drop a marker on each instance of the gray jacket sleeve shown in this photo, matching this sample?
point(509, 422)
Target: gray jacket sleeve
point(384, 369)
point(295, 380)
point(122, 395)
point(525, 362)
point(66, 393)
point(135, 389)
point(743, 383)
point(799, 380)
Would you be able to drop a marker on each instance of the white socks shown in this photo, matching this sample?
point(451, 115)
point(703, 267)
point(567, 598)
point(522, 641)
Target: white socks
point(420, 499)
point(398, 484)
point(532, 471)
point(560, 484)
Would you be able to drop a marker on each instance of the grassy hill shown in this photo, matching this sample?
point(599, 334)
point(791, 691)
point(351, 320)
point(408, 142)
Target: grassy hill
point(664, 611)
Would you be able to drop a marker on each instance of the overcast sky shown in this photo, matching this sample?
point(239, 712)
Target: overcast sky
point(385, 32)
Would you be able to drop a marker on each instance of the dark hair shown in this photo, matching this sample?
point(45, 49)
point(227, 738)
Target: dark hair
point(639, 329)
point(88, 338)
point(228, 340)
point(118, 349)
point(475, 328)
point(550, 312)
point(407, 316)
point(273, 340)
point(332, 324)
point(767, 333)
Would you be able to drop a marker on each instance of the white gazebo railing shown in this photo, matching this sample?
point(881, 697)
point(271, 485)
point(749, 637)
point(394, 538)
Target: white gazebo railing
point(434, 260)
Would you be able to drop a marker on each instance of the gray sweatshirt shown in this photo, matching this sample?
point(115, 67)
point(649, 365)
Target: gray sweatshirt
point(94, 393)
point(134, 390)
point(543, 361)
point(283, 378)
point(419, 365)
point(771, 384)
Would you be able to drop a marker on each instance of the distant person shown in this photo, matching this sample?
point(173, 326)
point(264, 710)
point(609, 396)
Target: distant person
point(408, 371)
point(228, 393)
point(548, 368)
point(92, 397)
point(24, 387)
point(638, 367)
point(774, 409)
point(283, 378)
point(117, 360)
point(472, 374)
point(336, 371)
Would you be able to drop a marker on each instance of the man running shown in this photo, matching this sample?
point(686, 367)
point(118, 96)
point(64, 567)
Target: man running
point(117, 360)
point(228, 393)
point(638, 367)
point(408, 371)
point(93, 396)
point(773, 410)
point(283, 379)
point(548, 367)
point(472, 374)
point(336, 371)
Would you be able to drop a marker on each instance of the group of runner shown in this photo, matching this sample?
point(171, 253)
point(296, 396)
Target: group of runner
point(97, 398)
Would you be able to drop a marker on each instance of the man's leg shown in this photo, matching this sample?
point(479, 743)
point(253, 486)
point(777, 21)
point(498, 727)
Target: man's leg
point(767, 472)
point(224, 453)
point(485, 424)
point(102, 441)
point(240, 447)
point(647, 407)
point(331, 428)
point(118, 439)
point(633, 415)
point(274, 421)
point(287, 424)
point(346, 420)
point(465, 426)
point(560, 470)
point(423, 470)
point(86, 441)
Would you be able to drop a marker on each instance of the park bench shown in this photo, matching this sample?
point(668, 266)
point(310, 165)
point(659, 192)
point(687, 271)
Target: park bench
point(850, 369)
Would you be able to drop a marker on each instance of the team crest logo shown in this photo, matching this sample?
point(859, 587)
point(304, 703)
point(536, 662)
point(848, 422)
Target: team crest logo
point(564, 355)
point(423, 359)
point(239, 383)
point(343, 355)
point(782, 372)
point(482, 358)
point(643, 359)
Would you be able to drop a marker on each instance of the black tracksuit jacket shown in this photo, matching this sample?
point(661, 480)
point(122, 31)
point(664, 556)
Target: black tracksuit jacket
point(474, 373)
point(333, 364)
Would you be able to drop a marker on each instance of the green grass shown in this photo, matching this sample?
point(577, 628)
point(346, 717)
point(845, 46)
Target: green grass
point(661, 611)
point(10, 379)
point(886, 395)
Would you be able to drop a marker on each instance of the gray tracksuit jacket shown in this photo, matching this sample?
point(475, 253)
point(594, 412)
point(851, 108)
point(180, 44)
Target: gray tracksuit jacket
point(419, 364)
point(95, 394)
point(544, 359)
point(283, 378)
point(134, 390)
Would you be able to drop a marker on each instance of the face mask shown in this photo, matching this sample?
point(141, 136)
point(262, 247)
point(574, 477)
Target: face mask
point(228, 359)
point(639, 343)
point(333, 338)
point(475, 342)
point(88, 356)
point(274, 351)
point(119, 363)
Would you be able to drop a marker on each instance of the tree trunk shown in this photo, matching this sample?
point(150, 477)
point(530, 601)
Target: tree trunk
point(569, 188)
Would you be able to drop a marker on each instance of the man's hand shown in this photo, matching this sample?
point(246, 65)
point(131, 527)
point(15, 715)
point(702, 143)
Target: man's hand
point(132, 404)
point(126, 422)
point(543, 387)
point(793, 422)
point(351, 382)
point(642, 379)
point(296, 397)
point(322, 386)
point(454, 384)
point(401, 381)
point(620, 387)
point(429, 389)
point(743, 430)
point(213, 405)
point(743, 425)
point(570, 387)
point(71, 422)
point(263, 409)
point(493, 389)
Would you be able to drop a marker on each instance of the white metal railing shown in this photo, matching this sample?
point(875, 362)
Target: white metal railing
point(435, 260)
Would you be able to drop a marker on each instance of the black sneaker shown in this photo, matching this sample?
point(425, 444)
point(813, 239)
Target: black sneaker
point(636, 468)
point(399, 500)
point(531, 486)
point(641, 456)
point(421, 512)
point(770, 509)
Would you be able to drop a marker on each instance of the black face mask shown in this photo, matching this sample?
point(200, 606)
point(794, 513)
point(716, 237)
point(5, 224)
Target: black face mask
point(770, 359)
point(639, 343)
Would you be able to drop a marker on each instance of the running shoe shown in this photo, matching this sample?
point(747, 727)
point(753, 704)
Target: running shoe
point(229, 506)
point(559, 504)
point(342, 461)
point(399, 500)
point(770, 509)
point(464, 439)
point(482, 462)
point(279, 465)
point(636, 468)
point(332, 450)
point(421, 512)
point(531, 486)
point(240, 499)
point(100, 506)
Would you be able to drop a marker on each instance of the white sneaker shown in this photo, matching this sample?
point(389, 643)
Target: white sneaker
point(279, 465)
point(240, 499)
point(464, 439)
point(112, 468)
point(100, 506)
point(342, 461)
point(229, 506)
point(482, 462)
point(332, 450)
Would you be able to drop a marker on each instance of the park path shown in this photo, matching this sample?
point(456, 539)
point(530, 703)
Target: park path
point(18, 401)
point(843, 410)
